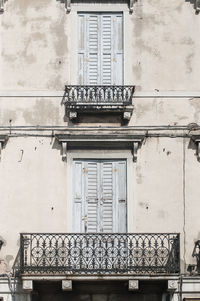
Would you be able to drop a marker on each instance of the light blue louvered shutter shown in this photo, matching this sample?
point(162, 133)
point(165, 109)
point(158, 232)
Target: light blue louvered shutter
point(111, 36)
point(100, 49)
point(121, 197)
point(106, 49)
point(93, 49)
point(107, 197)
point(88, 49)
point(82, 53)
point(78, 183)
point(100, 201)
point(118, 50)
point(92, 196)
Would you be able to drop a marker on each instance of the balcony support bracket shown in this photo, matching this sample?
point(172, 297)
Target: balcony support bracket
point(27, 285)
point(3, 140)
point(2, 3)
point(67, 285)
point(72, 115)
point(131, 5)
point(196, 139)
point(135, 147)
point(197, 6)
point(64, 150)
point(172, 285)
point(68, 5)
point(133, 285)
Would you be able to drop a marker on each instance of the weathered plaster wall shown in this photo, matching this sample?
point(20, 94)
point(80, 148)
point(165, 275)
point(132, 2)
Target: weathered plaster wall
point(44, 111)
point(34, 45)
point(38, 52)
point(36, 189)
point(39, 44)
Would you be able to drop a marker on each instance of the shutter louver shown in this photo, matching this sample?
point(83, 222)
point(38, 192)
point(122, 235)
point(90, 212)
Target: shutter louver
point(107, 197)
point(93, 51)
point(92, 197)
point(117, 68)
point(121, 195)
point(81, 48)
point(100, 49)
point(78, 197)
point(100, 196)
point(106, 40)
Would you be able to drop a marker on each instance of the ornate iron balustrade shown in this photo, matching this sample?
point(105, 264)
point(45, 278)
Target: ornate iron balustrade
point(98, 95)
point(196, 253)
point(99, 254)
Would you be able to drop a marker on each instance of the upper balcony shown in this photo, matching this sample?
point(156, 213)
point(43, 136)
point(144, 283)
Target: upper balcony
point(99, 99)
point(99, 254)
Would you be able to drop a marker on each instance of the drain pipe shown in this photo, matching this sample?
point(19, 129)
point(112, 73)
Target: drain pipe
point(9, 283)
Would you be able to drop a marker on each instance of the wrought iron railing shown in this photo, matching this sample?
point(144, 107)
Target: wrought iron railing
point(196, 253)
point(101, 95)
point(99, 254)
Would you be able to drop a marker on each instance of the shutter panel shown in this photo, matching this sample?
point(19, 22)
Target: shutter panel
point(106, 51)
point(93, 49)
point(81, 48)
point(117, 70)
point(92, 196)
point(107, 197)
point(121, 197)
point(100, 54)
point(100, 203)
point(78, 197)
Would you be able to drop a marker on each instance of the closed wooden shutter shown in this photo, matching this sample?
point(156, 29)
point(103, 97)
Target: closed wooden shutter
point(100, 196)
point(78, 210)
point(100, 51)
point(107, 197)
point(92, 197)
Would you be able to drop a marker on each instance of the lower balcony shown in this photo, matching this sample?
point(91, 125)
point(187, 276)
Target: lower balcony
point(99, 99)
point(99, 254)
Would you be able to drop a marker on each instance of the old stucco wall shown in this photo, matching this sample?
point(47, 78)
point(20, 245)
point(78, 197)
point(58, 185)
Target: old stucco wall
point(38, 52)
point(39, 44)
point(36, 190)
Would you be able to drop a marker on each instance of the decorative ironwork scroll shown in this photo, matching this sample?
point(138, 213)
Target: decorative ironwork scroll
point(99, 254)
point(98, 95)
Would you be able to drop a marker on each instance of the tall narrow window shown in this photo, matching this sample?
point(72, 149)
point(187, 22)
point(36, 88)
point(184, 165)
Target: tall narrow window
point(99, 196)
point(100, 49)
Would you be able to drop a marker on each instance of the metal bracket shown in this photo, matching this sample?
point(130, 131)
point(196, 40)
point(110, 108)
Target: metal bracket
point(64, 151)
point(136, 145)
point(68, 5)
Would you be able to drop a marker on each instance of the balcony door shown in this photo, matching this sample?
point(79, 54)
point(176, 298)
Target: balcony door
point(99, 196)
point(100, 49)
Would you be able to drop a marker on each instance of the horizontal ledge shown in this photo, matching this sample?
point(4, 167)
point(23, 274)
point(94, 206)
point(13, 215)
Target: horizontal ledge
point(137, 94)
point(101, 278)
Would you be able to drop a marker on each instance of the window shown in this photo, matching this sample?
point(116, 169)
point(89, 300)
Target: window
point(99, 196)
point(100, 49)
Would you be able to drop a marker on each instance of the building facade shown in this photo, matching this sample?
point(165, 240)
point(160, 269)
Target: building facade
point(100, 150)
